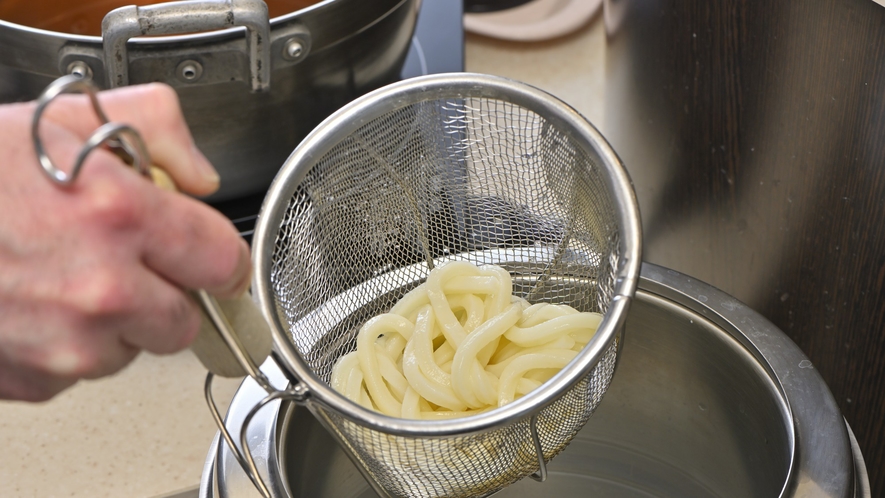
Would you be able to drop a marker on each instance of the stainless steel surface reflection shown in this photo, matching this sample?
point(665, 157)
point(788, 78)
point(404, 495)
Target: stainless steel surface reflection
point(709, 400)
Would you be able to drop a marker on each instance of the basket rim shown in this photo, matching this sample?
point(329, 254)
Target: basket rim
point(398, 95)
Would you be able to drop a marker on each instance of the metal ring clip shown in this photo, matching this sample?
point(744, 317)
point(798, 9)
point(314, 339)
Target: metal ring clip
point(122, 139)
point(244, 457)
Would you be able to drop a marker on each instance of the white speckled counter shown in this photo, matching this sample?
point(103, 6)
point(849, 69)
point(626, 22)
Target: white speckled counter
point(145, 432)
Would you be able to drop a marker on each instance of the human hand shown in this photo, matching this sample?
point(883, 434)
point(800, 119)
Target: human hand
point(93, 273)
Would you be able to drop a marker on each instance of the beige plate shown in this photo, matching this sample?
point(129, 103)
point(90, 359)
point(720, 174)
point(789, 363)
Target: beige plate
point(533, 21)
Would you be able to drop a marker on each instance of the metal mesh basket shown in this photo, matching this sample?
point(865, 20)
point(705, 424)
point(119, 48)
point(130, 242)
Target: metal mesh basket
point(430, 170)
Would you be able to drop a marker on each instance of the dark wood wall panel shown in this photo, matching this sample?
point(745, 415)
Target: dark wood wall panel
point(755, 135)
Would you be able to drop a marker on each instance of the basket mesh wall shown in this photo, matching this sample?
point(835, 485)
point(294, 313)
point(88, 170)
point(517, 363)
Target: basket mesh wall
point(470, 179)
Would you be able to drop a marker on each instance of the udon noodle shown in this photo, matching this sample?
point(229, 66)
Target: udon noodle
point(459, 344)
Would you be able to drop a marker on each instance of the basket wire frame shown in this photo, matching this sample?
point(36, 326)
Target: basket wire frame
point(470, 178)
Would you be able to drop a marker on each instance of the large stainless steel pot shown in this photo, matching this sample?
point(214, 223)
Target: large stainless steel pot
point(754, 132)
point(249, 92)
point(709, 399)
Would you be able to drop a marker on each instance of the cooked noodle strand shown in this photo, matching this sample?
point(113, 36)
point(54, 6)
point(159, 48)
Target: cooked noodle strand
point(459, 344)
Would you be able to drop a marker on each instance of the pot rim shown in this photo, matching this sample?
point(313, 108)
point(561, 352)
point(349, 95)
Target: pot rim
point(837, 472)
point(211, 36)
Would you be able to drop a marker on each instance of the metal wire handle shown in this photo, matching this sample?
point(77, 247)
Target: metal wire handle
point(125, 142)
point(122, 139)
point(244, 458)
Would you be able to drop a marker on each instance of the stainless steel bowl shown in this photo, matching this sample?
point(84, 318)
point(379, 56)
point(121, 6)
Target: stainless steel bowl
point(709, 399)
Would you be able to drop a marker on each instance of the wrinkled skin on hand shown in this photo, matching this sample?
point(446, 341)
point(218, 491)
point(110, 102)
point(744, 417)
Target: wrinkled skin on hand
point(93, 273)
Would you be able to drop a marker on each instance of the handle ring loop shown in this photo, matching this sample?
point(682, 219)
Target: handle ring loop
point(121, 139)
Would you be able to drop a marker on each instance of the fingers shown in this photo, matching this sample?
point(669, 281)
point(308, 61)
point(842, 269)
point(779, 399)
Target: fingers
point(21, 383)
point(92, 273)
point(154, 111)
point(116, 303)
point(159, 120)
point(48, 344)
point(153, 315)
point(87, 322)
point(96, 328)
point(185, 241)
point(196, 247)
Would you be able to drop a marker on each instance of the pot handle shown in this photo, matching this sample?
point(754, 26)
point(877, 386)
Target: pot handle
point(187, 16)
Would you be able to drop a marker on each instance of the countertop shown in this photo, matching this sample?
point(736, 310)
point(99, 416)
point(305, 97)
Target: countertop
point(144, 432)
